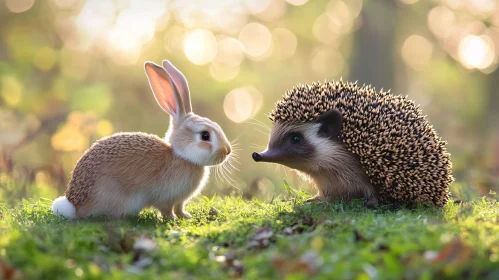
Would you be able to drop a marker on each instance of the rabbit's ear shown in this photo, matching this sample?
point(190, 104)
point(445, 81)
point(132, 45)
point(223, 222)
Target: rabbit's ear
point(181, 83)
point(164, 89)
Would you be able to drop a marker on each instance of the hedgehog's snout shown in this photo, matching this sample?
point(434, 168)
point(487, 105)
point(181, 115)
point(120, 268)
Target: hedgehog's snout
point(268, 156)
point(257, 157)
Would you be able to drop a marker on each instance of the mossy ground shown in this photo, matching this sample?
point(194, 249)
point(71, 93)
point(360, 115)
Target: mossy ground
point(231, 237)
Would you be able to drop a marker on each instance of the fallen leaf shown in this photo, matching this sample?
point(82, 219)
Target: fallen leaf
point(230, 258)
point(118, 243)
point(293, 229)
point(455, 253)
point(138, 266)
point(359, 236)
point(101, 262)
point(127, 242)
point(307, 263)
point(145, 262)
point(144, 244)
point(8, 273)
point(288, 231)
point(327, 223)
point(430, 255)
point(261, 238)
point(230, 261)
point(238, 269)
point(307, 220)
point(383, 247)
point(213, 213)
point(220, 259)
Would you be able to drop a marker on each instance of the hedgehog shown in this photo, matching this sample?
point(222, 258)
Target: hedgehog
point(354, 142)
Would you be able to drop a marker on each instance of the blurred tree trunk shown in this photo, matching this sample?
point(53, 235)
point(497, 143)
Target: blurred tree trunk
point(491, 128)
point(374, 51)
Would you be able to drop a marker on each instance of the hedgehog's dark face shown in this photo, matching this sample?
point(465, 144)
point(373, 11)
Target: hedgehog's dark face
point(303, 146)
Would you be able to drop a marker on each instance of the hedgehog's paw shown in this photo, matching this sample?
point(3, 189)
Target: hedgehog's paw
point(316, 198)
point(372, 202)
point(185, 215)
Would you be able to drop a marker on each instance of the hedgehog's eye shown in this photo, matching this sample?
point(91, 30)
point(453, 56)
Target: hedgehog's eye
point(296, 139)
point(205, 136)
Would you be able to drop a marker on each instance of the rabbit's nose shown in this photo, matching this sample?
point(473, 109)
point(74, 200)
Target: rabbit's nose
point(229, 150)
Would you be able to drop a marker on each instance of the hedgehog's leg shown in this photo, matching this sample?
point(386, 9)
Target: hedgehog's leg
point(167, 211)
point(372, 202)
point(179, 210)
point(316, 198)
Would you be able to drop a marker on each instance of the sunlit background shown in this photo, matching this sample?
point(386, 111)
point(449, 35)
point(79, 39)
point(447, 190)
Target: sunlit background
point(71, 72)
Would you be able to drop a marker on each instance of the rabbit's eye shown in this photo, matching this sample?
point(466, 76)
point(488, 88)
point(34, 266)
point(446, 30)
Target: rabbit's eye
point(205, 136)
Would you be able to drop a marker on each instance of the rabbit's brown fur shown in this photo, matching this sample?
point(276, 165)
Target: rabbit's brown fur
point(102, 172)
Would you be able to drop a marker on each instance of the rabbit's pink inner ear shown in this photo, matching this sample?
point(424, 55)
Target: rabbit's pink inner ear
point(161, 86)
point(181, 83)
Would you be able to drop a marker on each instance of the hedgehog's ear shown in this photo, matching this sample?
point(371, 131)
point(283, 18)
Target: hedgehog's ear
point(331, 124)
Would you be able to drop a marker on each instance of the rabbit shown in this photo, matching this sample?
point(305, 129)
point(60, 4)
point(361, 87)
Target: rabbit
point(126, 172)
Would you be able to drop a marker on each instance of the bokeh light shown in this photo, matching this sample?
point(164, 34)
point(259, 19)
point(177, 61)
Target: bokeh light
point(243, 103)
point(223, 72)
point(19, 6)
point(11, 90)
point(256, 7)
point(230, 52)
point(64, 4)
point(74, 64)
point(341, 16)
point(70, 137)
point(117, 28)
point(322, 30)
point(455, 4)
point(476, 51)
point(287, 42)
point(125, 49)
point(482, 7)
point(174, 39)
point(95, 18)
point(408, 2)
point(416, 51)
point(440, 19)
point(355, 7)
point(256, 39)
point(45, 58)
point(275, 10)
point(297, 2)
point(139, 26)
point(13, 128)
point(104, 128)
point(200, 46)
point(328, 62)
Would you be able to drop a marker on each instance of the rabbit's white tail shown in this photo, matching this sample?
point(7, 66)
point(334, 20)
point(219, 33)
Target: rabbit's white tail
point(62, 206)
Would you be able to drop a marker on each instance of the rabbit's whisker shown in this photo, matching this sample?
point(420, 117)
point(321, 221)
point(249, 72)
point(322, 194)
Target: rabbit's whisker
point(227, 178)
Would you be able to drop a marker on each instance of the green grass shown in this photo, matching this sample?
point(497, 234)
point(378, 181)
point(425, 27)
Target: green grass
point(320, 241)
